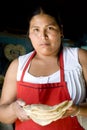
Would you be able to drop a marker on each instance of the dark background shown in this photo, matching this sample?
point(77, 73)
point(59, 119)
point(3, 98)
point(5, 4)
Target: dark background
point(14, 16)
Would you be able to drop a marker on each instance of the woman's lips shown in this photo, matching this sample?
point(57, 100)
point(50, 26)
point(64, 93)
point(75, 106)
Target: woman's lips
point(44, 44)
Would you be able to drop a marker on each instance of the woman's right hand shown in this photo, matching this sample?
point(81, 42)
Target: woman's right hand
point(18, 109)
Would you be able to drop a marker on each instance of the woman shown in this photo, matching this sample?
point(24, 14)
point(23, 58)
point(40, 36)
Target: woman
point(50, 74)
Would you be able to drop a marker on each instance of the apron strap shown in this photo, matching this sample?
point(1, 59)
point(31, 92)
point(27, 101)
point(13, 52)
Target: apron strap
point(61, 66)
point(27, 65)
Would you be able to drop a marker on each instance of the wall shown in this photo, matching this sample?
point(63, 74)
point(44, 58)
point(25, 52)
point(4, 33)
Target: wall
point(11, 46)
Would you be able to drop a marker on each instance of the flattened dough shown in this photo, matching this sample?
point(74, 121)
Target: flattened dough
point(44, 114)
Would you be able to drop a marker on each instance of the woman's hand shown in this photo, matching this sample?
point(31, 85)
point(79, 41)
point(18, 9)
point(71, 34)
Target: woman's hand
point(74, 110)
point(18, 109)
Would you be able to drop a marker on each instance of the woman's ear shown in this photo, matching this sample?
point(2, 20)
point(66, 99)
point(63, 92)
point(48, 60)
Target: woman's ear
point(62, 36)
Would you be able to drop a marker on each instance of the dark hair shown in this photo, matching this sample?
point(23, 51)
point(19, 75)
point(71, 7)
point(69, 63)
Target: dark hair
point(53, 11)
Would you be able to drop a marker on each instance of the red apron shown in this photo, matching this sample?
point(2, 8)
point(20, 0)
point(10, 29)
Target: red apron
point(50, 94)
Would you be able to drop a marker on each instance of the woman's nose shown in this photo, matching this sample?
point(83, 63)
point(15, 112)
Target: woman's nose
point(43, 35)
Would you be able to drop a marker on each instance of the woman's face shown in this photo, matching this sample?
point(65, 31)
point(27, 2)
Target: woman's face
point(45, 34)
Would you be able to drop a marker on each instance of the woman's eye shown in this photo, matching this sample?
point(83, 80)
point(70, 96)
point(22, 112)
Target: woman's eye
point(36, 30)
point(51, 28)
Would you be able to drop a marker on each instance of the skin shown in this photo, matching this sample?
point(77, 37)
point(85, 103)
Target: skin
point(45, 35)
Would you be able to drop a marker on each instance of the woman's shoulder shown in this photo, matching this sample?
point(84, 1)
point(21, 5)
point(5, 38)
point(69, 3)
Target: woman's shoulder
point(24, 58)
point(83, 56)
point(27, 55)
point(71, 56)
point(71, 51)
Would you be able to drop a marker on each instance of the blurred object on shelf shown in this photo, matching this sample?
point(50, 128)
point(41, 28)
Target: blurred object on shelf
point(84, 47)
point(12, 51)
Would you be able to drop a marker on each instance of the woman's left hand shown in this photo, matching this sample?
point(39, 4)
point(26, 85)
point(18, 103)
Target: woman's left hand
point(72, 111)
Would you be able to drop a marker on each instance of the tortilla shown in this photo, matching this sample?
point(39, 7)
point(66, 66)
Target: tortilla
point(45, 114)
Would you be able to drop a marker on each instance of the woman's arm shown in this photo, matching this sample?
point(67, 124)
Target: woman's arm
point(83, 61)
point(80, 109)
point(8, 95)
point(10, 107)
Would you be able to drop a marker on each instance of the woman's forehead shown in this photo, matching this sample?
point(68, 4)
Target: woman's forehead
point(42, 18)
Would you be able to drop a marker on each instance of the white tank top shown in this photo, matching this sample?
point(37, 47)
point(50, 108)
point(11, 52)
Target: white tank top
point(72, 72)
